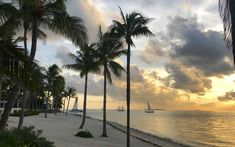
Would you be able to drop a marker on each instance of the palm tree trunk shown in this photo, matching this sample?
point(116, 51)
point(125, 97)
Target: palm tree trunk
point(128, 96)
point(232, 14)
point(1, 74)
point(0, 87)
point(21, 120)
point(84, 104)
point(34, 37)
point(104, 134)
point(56, 102)
point(25, 97)
point(10, 103)
point(25, 38)
point(47, 98)
point(68, 106)
point(64, 106)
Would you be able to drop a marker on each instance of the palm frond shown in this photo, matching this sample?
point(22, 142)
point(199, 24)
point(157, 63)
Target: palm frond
point(142, 31)
point(123, 17)
point(116, 68)
point(72, 28)
point(109, 77)
point(42, 35)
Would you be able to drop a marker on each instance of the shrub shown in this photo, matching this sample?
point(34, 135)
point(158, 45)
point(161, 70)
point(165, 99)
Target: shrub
point(84, 134)
point(27, 113)
point(25, 137)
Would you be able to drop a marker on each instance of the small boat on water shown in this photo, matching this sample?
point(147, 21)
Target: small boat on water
point(149, 109)
point(75, 107)
point(120, 108)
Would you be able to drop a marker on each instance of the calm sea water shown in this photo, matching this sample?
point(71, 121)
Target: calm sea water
point(196, 128)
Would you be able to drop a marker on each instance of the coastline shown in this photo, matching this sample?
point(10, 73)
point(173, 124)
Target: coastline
point(61, 130)
point(143, 136)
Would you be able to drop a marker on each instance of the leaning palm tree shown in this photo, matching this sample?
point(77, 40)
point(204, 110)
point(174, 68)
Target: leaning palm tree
point(131, 25)
point(69, 92)
point(14, 63)
point(227, 13)
point(109, 48)
point(85, 63)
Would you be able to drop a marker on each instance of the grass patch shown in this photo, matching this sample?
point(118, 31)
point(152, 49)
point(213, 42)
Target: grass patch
point(84, 134)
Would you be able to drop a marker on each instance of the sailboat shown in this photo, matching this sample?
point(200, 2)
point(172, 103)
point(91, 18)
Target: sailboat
point(75, 106)
point(149, 109)
point(120, 108)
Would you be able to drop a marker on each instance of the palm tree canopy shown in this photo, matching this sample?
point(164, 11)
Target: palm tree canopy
point(227, 14)
point(70, 91)
point(51, 14)
point(109, 48)
point(131, 25)
point(85, 60)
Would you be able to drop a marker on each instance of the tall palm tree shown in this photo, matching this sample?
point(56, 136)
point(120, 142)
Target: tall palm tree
point(109, 48)
point(227, 13)
point(85, 63)
point(69, 92)
point(132, 25)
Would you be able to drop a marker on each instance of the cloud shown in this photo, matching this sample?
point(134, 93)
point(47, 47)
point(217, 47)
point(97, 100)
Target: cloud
point(152, 51)
point(228, 96)
point(62, 53)
point(188, 79)
point(95, 87)
point(143, 88)
point(192, 55)
point(194, 47)
point(92, 16)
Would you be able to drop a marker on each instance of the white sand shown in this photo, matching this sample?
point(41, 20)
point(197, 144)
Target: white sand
point(61, 130)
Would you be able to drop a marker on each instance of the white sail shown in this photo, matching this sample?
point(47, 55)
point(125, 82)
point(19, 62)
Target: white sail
point(120, 108)
point(149, 107)
point(75, 106)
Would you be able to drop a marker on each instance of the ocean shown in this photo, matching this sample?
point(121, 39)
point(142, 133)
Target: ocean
point(195, 128)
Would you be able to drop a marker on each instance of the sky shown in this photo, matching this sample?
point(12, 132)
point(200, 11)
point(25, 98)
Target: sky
point(186, 66)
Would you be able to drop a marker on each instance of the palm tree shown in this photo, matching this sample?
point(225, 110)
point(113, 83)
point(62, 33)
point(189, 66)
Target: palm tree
point(109, 48)
point(14, 64)
point(33, 81)
point(227, 13)
point(52, 13)
point(52, 74)
point(69, 92)
point(47, 13)
point(131, 25)
point(57, 92)
point(85, 63)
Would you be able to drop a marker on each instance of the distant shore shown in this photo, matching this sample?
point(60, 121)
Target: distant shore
point(61, 130)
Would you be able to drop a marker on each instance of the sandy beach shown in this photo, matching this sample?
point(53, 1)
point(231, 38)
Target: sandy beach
point(61, 130)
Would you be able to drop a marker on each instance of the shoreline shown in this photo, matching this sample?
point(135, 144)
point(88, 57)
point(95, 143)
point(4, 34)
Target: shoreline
point(141, 135)
point(61, 130)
